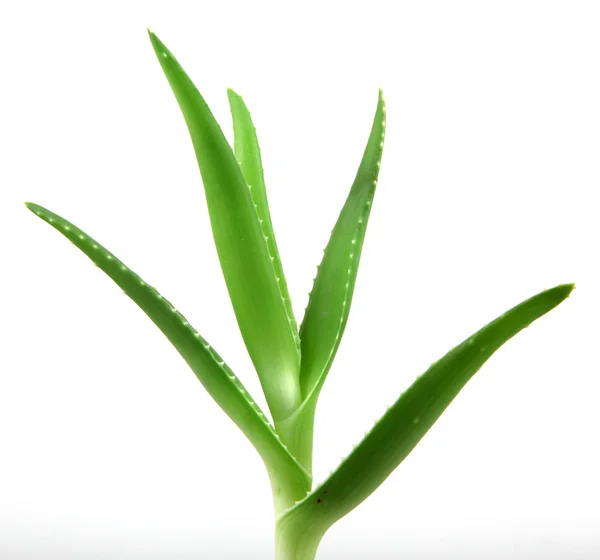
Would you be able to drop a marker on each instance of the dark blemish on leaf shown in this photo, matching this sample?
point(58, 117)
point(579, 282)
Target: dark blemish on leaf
point(319, 500)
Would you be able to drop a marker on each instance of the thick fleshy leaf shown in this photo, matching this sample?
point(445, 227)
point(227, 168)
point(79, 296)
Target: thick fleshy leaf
point(404, 424)
point(242, 246)
point(247, 152)
point(329, 304)
point(210, 369)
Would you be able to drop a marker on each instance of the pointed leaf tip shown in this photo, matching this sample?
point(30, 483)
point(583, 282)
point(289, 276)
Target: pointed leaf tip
point(331, 296)
point(33, 207)
point(243, 243)
point(568, 288)
point(407, 421)
point(159, 47)
point(220, 382)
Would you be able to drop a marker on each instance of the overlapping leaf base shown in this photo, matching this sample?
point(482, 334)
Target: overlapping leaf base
point(292, 364)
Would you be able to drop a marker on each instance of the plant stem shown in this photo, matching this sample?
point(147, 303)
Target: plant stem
point(297, 431)
point(286, 490)
point(295, 542)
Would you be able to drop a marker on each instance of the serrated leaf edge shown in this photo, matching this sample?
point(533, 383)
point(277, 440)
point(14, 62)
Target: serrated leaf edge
point(79, 238)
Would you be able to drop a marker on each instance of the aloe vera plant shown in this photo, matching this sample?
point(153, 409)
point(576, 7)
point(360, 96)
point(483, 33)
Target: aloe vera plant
point(292, 363)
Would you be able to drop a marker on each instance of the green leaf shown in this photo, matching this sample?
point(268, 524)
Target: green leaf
point(247, 152)
point(404, 424)
point(210, 369)
point(247, 263)
point(329, 304)
point(330, 299)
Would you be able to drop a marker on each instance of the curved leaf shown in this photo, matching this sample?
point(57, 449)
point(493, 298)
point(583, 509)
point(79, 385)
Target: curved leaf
point(247, 152)
point(331, 296)
point(330, 299)
point(404, 424)
point(210, 369)
point(242, 246)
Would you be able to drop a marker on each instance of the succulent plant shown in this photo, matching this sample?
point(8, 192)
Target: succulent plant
point(292, 363)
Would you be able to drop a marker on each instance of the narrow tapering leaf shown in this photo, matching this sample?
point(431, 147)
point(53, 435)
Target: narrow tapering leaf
point(242, 246)
point(210, 369)
point(329, 303)
point(247, 152)
point(404, 424)
point(331, 296)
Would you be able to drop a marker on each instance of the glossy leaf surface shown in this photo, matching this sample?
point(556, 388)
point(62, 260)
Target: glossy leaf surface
point(248, 266)
point(404, 424)
point(210, 369)
point(331, 296)
point(330, 299)
point(247, 152)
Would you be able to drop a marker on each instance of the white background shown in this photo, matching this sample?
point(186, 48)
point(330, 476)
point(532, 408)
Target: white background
point(110, 448)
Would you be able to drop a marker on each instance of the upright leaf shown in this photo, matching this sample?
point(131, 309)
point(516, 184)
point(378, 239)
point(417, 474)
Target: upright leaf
point(210, 369)
point(331, 296)
point(404, 424)
point(242, 246)
point(247, 152)
point(329, 304)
